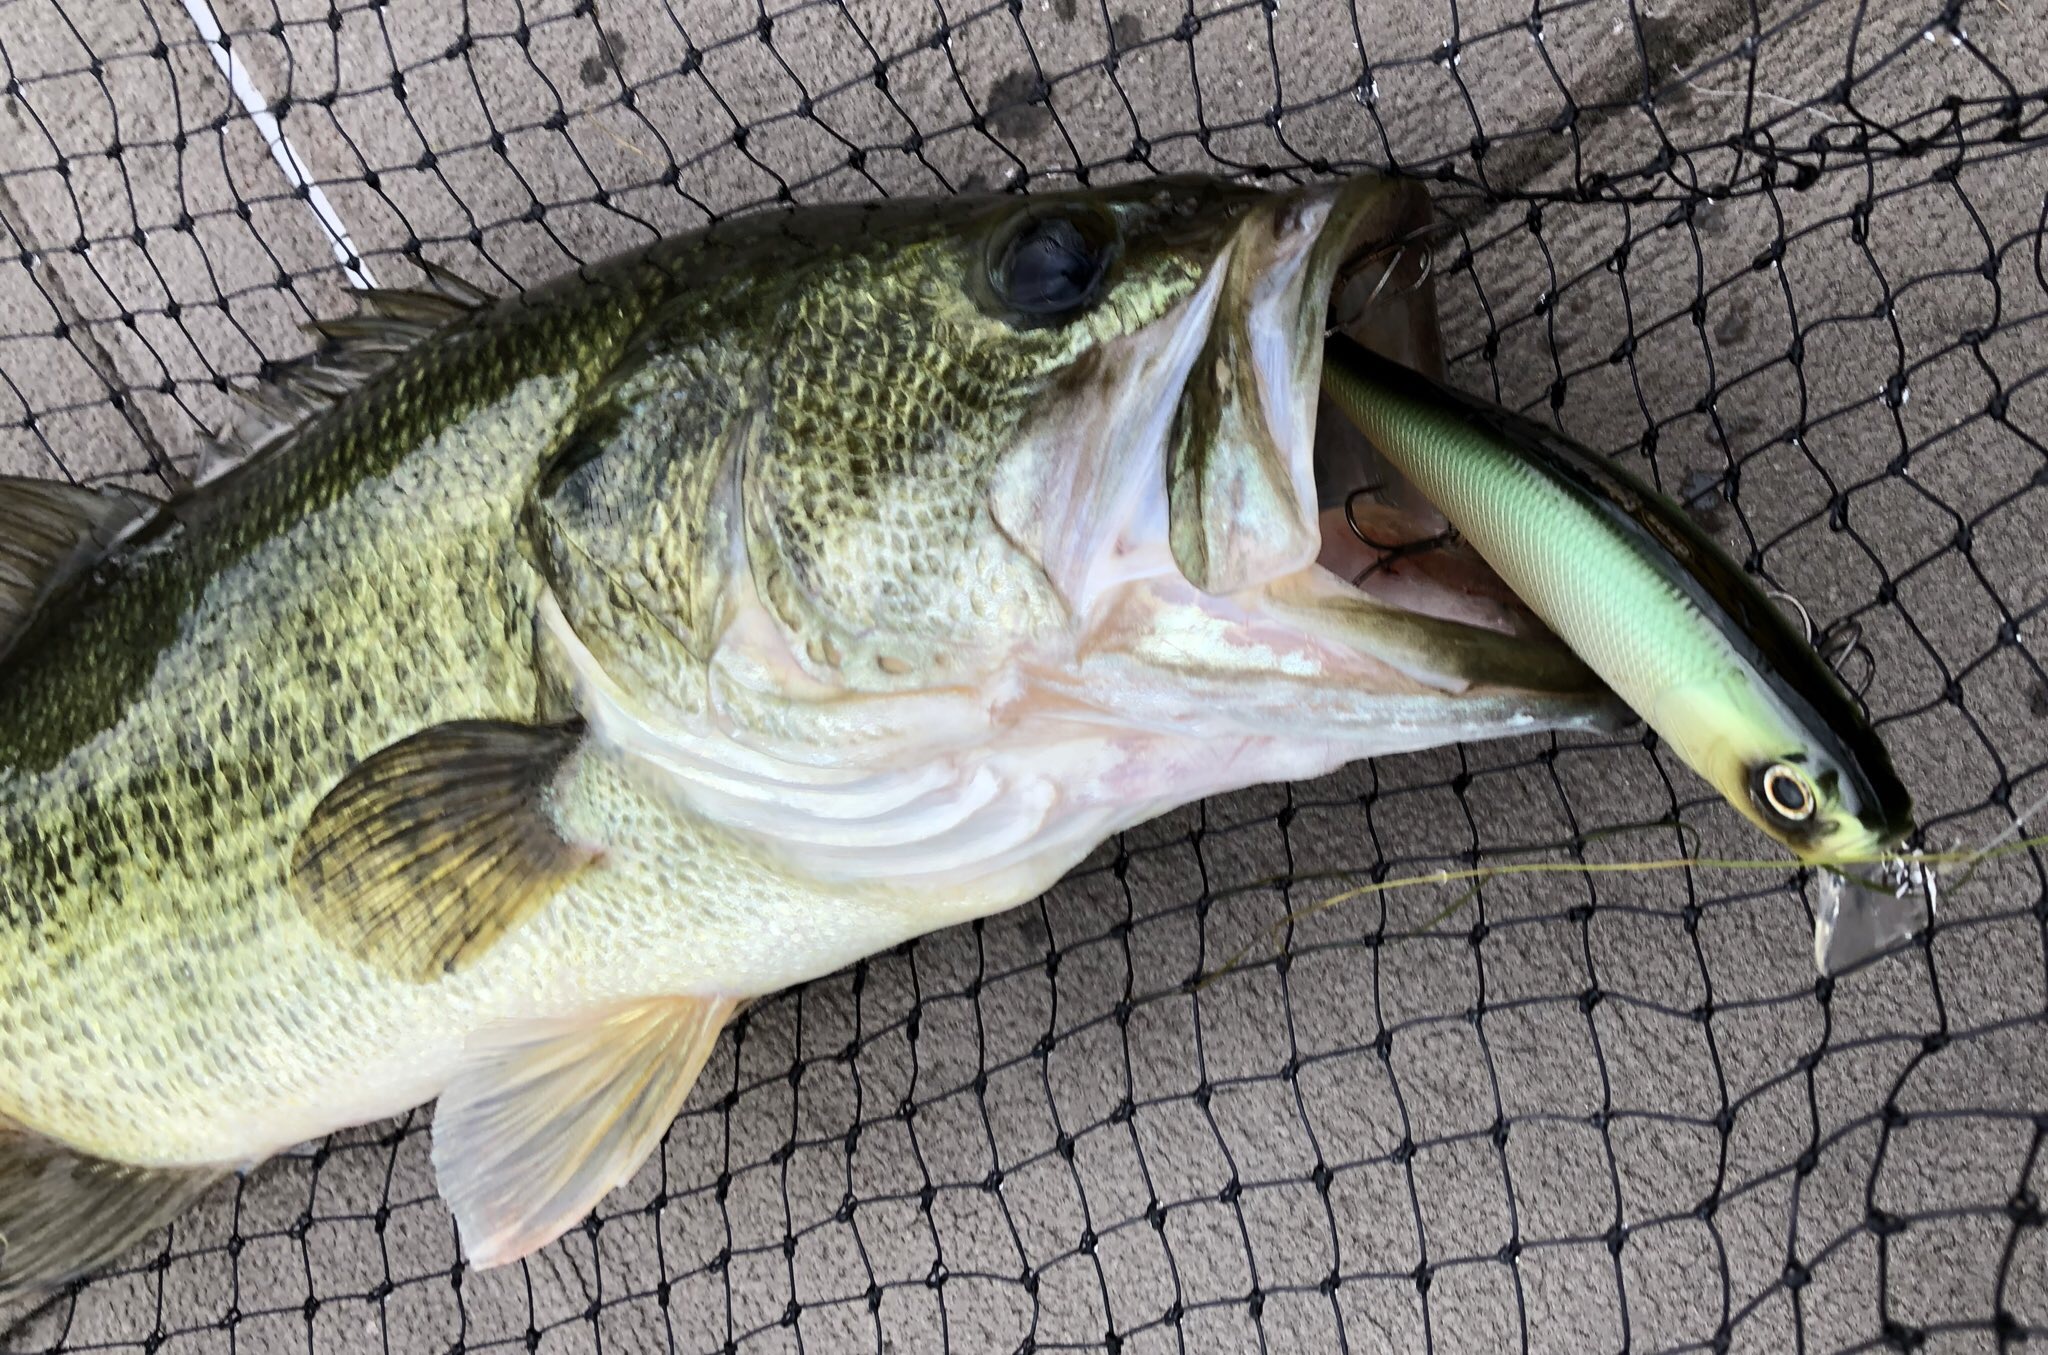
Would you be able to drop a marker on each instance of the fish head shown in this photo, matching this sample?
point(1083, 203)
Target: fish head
point(1030, 487)
point(1205, 532)
point(834, 418)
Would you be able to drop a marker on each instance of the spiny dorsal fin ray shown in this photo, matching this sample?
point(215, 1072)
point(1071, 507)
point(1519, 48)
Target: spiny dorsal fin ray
point(50, 533)
point(387, 322)
point(435, 847)
point(64, 1214)
point(447, 283)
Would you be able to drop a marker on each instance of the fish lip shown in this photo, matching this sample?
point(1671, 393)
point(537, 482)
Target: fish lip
point(1369, 218)
point(1368, 215)
point(1242, 496)
point(1365, 270)
point(1355, 259)
point(1244, 531)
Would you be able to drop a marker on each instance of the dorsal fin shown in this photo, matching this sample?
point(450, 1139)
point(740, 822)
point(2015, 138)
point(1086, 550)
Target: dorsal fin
point(50, 533)
point(387, 322)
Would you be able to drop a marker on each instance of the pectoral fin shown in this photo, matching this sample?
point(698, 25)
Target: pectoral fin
point(434, 848)
point(64, 1214)
point(546, 1117)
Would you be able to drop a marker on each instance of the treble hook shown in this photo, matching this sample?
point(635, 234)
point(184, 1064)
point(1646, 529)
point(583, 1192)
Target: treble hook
point(1836, 645)
point(1357, 264)
point(1388, 554)
point(1805, 617)
point(1842, 642)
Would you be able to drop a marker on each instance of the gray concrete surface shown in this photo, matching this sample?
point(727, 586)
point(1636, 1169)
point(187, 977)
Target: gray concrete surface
point(1159, 1222)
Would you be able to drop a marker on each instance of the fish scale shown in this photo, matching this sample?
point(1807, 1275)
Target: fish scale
point(552, 674)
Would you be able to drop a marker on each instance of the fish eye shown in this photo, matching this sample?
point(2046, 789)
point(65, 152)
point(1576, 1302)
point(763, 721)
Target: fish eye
point(1785, 793)
point(1051, 265)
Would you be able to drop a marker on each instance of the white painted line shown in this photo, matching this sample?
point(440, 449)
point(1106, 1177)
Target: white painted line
point(257, 105)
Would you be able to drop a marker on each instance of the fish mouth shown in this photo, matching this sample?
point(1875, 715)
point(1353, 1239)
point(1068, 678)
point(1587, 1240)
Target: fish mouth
point(1376, 531)
point(1236, 562)
point(1279, 509)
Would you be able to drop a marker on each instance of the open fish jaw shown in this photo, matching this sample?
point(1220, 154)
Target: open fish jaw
point(1185, 447)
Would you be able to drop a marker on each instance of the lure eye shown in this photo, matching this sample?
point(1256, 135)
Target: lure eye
point(1051, 266)
point(1786, 793)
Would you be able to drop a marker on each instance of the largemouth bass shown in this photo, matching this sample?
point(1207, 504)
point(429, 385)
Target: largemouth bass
point(542, 678)
point(1673, 625)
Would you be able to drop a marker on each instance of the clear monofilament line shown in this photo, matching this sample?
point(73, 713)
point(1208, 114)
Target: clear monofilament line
point(1476, 876)
point(1993, 843)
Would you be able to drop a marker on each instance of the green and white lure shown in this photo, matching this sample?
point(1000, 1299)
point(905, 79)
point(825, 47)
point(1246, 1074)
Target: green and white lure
point(1671, 624)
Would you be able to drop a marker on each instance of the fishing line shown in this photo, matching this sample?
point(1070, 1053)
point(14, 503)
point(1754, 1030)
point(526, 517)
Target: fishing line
point(1477, 876)
point(1994, 842)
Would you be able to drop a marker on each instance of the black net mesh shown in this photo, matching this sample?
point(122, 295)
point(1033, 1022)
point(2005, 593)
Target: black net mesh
point(1791, 251)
